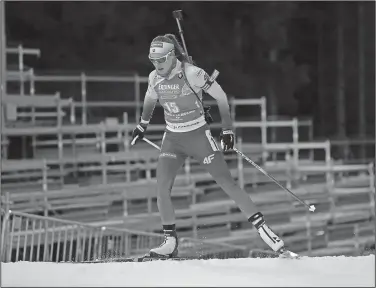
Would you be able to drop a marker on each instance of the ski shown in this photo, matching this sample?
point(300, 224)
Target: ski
point(282, 254)
point(145, 258)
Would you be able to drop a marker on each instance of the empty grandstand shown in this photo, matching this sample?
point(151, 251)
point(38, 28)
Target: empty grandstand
point(78, 191)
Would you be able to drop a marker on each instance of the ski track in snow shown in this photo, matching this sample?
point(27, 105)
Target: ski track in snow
point(312, 272)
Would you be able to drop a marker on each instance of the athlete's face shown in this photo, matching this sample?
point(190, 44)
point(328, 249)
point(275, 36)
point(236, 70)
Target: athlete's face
point(164, 63)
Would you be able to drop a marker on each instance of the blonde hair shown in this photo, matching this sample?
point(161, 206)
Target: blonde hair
point(179, 51)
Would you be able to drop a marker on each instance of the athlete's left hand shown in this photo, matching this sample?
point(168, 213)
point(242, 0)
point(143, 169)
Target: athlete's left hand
point(227, 139)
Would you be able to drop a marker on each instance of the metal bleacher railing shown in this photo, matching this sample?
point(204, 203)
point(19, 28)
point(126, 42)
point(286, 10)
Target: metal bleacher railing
point(27, 237)
point(28, 76)
point(75, 241)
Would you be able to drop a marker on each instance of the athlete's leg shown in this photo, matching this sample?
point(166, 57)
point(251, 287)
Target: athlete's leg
point(169, 162)
point(206, 151)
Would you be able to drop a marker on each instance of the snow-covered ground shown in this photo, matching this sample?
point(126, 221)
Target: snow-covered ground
point(325, 271)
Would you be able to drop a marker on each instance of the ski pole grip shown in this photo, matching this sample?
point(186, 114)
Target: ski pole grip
point(178, 14)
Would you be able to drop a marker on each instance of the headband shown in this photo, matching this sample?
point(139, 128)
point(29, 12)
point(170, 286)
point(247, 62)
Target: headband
point(160, 48)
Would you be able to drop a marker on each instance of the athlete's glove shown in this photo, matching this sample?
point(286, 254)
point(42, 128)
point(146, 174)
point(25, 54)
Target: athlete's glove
point(138, 133)
point(227, 139)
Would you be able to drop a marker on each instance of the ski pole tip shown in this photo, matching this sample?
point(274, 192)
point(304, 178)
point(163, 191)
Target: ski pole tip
point(312, 208)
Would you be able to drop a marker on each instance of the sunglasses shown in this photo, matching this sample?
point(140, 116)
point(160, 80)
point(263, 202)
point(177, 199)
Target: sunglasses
point(160, 60)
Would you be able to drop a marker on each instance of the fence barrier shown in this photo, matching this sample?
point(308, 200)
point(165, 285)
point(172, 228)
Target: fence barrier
point(27, 237)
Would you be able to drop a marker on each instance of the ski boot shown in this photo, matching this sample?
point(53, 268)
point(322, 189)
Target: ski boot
point(270, 237)
point(169, 247)
point(284, 253)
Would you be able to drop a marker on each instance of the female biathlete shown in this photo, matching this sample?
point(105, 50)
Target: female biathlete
point(177, 85)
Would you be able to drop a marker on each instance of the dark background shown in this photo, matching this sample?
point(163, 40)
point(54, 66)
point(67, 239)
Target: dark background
point(287, 51)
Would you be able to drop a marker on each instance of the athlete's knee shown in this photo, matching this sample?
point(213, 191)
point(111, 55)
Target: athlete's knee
point(164, 198)
point(164, 183)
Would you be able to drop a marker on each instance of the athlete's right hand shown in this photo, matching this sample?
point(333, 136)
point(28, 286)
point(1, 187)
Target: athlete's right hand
point(138, 133)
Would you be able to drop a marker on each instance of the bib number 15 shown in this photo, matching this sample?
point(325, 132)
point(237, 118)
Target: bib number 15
point(171, 107)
